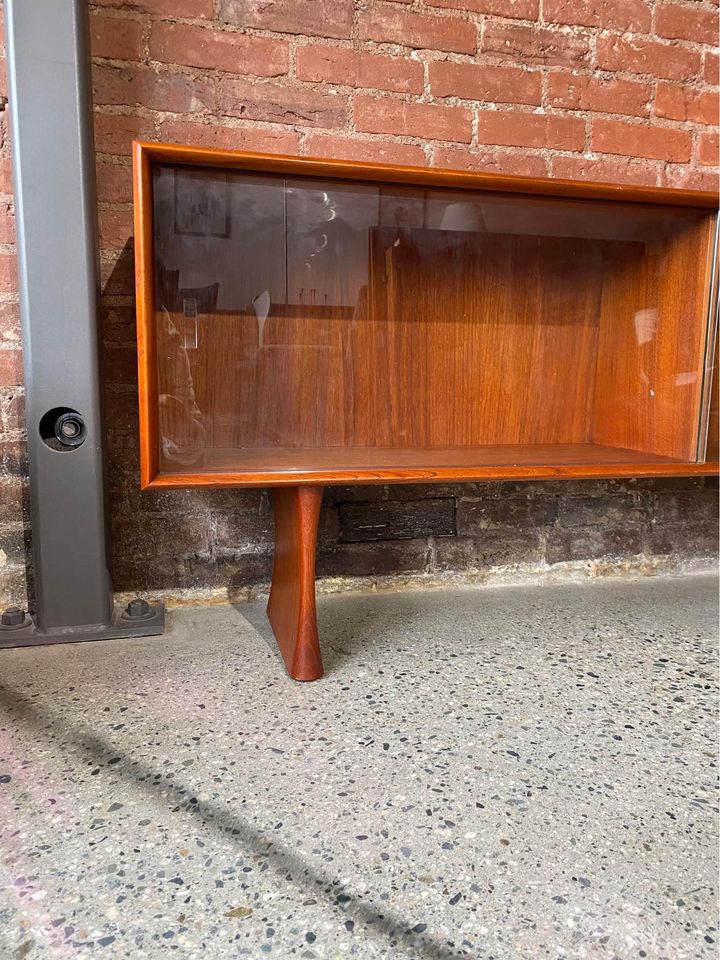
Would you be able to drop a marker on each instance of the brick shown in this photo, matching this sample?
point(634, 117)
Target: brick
point(13, 408)
point(549, 46)
point(115, 132)
point(708, 149)
point(680, 102)
point(372, 151)
point(140, 86)
point(8, 273)
point(476, 516)
point(175, 536)
point(142, 577)
point(131, 501)
point(9, 322)
point(493, 549)
point(123, 457)
point(651, 57)
point(12, 499)
point(641, 140)
point(115, 38)
point(13, 458)
point(422, 491)
point(7, 222)
point(663, 485)
point(328, 525)
point(562, 488)
point(282, 103)
point(357, 69)
point(114, 182)
point(492, 161)
point(117, 272)
point(605, 170)
point(508, 9)
point(12, 538)
point(334, 495)
point(229, 138)
point(14, 586)
point(242, 530)
point(218, 50)
point(685, 23)
point(118, 323)
point(375, 558)
point(397, 520)
point(399, 118)
point(6, 184)
point(611, 509)
point(572, 91)
point(711, 68)
point(685, 178)
point(484, 82)
point(686, 539)
point(700, 506)
point(515, 128)
point(419, 30)
point(593, 543)
point(311, 18)
point(196, 9)
point(120, 412)
point(11, 367)
point(120, 364)
point(232, 572)
point(115, 225)
point(632, 15)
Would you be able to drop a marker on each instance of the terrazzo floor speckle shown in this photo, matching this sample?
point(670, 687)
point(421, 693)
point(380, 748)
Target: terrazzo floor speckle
point(483, 773)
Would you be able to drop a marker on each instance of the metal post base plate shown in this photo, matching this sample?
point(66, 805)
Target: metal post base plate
point(149, 624)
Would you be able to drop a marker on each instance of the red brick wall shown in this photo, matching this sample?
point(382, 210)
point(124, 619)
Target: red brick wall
point(619, 90)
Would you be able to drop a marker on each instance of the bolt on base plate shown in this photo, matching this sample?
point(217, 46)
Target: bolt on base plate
point(138, 619)
point(13, 618)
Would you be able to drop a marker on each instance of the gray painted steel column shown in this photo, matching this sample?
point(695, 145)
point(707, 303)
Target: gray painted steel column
point(54, 180)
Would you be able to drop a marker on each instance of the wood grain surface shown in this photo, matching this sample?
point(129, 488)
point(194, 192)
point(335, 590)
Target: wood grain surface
point(291, 606)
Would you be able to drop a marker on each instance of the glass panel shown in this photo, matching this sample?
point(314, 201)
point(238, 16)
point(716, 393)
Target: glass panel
point(307, 324)
point(712, 440)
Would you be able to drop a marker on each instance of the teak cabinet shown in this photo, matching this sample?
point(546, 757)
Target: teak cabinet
point(305, 322)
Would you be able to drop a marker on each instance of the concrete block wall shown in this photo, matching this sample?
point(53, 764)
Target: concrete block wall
point(617, 90)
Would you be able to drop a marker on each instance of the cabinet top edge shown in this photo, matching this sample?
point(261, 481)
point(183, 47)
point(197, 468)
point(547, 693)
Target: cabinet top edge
point(419, 176)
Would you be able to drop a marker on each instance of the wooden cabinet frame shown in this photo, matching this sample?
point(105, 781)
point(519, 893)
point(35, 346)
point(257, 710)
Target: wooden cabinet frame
point(297, 492)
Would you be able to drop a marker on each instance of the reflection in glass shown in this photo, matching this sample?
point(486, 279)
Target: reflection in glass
point(305, 324)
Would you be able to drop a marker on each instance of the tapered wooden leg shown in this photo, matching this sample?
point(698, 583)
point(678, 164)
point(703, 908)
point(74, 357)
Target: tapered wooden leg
point(291, 607)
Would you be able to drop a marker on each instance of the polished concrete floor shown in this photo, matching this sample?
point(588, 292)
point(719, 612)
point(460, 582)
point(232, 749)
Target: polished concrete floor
point(484, 773)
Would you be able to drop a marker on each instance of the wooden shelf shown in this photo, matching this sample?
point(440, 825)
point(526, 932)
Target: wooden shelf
point(374, 464)
point(336, 459)
point(305, 322)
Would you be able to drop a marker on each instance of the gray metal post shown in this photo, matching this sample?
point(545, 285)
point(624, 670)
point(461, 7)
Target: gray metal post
point(54, 181)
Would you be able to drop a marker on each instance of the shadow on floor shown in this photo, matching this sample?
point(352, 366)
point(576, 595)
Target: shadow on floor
point(290, 866)
point(348, 625)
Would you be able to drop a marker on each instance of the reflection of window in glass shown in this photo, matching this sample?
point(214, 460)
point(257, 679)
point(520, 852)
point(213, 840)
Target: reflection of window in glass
point(220, 238)
point(327, 243)
point(202, 203)
point(190, 312)
point(182, 435)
